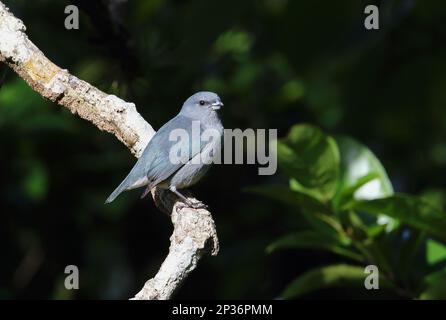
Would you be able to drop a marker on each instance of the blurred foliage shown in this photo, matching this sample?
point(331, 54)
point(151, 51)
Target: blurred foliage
point(360, 195)
point(274, 63)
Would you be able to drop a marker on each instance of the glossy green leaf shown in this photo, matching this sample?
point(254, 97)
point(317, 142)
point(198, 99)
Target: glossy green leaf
point(287, 196)
point(315, 212)
point(314, 240)
point(408, 209)
point(362, 174)
point(347, 195)
point(311, 158)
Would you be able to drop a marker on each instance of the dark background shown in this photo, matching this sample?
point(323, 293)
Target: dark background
point(274, 63)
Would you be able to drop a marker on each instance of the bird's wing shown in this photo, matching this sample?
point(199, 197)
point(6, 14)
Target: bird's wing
point(154, 165)
point(160, 166)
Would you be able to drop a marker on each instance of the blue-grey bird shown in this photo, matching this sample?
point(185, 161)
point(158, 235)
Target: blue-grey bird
point(155, 169)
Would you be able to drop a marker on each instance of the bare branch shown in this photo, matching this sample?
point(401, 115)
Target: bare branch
point(194, 233)
point(194, 230)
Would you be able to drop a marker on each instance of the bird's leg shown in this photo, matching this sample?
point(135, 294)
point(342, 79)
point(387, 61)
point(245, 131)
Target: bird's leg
point(182, 197)
point(195, 205)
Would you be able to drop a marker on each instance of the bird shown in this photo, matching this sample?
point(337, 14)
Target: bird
point(155, 169)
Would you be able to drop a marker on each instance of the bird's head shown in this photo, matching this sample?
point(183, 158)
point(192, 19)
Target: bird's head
point(203, 102)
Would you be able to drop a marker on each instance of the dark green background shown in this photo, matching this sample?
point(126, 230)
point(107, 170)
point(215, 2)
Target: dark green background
point(274, 63)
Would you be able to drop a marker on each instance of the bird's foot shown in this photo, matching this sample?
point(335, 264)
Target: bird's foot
point(193, 205)
point(197, 205)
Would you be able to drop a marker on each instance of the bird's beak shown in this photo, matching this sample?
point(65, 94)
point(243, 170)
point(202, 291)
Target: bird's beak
point(216, 105)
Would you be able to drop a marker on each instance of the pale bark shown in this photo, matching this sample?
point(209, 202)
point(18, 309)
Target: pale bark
point(194, 230)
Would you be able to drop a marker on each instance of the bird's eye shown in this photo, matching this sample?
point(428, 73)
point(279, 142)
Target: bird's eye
point(202, 103)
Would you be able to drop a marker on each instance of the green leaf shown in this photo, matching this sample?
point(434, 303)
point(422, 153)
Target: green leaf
point(408, 209)
point(359, 163)
point(377, 253)
point(346, 196)
point(435, 252)
point(362, 177)
point(375, 230)
point(409, 252)
point(311, 158)
point(314, 240)
point(435, 198)
point(295, 199)
point(326, 277)
point(315, 212)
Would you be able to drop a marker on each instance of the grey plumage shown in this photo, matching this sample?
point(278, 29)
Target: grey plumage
point(154, 167)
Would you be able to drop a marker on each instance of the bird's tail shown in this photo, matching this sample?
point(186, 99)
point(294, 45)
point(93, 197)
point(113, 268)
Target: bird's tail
point(134, 179)
point(117, 191)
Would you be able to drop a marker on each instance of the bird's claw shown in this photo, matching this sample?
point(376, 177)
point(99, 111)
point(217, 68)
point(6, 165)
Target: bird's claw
point(193, 205)
point(197, 205)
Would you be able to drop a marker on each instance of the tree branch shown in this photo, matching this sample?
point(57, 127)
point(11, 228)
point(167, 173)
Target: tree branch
point(194, 230)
